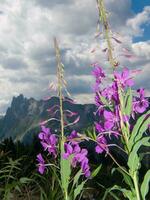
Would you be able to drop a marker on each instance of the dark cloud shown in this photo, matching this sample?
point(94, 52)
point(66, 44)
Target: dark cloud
point(24, 79)
point(79, 85)
point(1, 12)
point(13, 63)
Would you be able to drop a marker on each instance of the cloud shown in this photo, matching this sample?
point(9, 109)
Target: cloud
point(27, 55)
point(135, 23)
point(50, 4)
point(13, 63)
point(142, 49)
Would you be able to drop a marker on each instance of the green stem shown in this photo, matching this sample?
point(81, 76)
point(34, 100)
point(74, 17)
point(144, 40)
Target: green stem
point(60, 85)
point(118, 164)
point(135, 180)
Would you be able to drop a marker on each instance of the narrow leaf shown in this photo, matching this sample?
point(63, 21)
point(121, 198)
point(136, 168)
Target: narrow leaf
point(96, 171)
point(145, 184)
point(136, 128)
point(128, 101)
point(79, 188)
point(133, 160)
point(65, 170)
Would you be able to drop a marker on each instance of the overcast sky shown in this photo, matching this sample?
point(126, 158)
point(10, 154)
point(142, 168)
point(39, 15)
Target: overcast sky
point(27, 58)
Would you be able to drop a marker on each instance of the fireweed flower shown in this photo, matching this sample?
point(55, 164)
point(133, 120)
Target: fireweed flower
point(140, 103)
point(110, 92)
point(98, 73)
point(111, 119)
point(79, 156)
point(101, 144)
point(48, 141)
point(124, 78)
point(73, 136)
point(101, 130)
point(41, 164)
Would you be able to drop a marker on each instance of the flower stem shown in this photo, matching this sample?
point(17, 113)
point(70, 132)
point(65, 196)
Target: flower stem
point(60, 77)
point(118, 164)
point(135, 180)
point(104, 20)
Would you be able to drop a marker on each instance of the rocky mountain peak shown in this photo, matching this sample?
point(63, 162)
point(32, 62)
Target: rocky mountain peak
point(24, 115)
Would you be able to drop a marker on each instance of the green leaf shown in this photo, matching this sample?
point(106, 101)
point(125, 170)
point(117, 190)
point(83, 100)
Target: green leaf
point(128, 102)
point(105, 102)
point(134, 160)
point(108, 191)
point(78, 189)
point(24, 180)
point(65, 170)
point(76, 177)
point(136, 129)
point(142, 129)
point(96, 171)
point(145, 184)
point(127, 193)
point(127, 179)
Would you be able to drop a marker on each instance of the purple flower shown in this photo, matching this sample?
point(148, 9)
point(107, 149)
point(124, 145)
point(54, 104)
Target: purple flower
point(81, 157)
point(98, 74)
point(110, 119)
point(73, 135)
point(68, 150)
point(72, 148)
point(44, 134)
point(99, 128)
point(140, 104)
point(85, 167)
point(101, 144)
point(48, 141)
point(124, 78)
point(110, 92)
point(41, 164)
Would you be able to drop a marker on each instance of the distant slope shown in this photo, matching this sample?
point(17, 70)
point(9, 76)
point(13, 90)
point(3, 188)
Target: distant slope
point(22, 118)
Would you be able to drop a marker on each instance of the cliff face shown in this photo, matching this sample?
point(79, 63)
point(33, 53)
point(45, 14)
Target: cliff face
point(22, 118)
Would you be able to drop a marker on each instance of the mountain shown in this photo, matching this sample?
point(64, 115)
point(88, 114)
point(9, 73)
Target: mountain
point(21, 121)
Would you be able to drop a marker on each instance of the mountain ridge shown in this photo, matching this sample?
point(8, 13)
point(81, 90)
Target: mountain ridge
point(22, 118)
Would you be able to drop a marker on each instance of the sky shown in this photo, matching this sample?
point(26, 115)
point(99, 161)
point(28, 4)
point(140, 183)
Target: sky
point(27, 56)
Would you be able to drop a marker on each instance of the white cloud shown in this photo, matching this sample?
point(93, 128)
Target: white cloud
point(135, 23)
point(142, 49)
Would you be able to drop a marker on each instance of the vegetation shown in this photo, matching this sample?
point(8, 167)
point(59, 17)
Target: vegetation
point(84, 166)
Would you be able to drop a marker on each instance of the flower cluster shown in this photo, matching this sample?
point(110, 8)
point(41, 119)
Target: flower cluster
point(78, 155)
point(49, 143)
point(108, 102)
